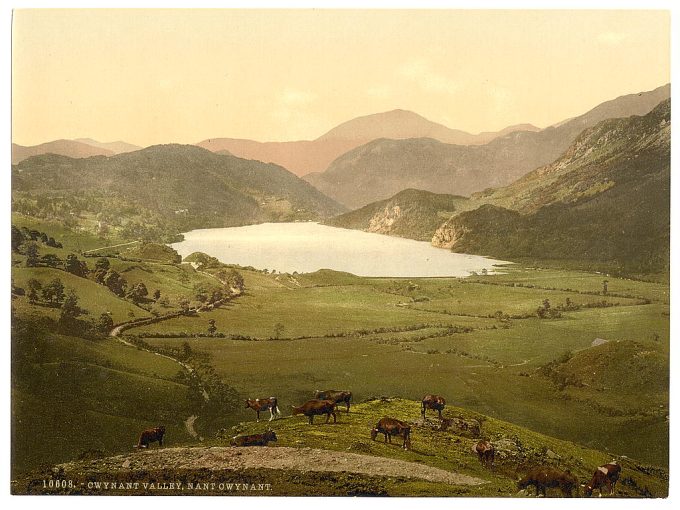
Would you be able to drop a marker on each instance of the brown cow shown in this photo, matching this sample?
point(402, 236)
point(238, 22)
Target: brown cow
point(548, 477)
point(434, 402)
point(393, 427)
point(334, 395)
point(150, 436)
point(313, 408)
point(262, 404)
point(606, 475)
point(486, 453)
point(254, 439)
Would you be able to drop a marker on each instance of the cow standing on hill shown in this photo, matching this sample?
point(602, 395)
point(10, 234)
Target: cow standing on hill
point(151, 436)
point(334, 395)
point(434, 402)
point(254, 439)
point(393, 427)
point(548, 477)
point(606, 475)
point(313, 408)
point(486, 453)
point(262, 404)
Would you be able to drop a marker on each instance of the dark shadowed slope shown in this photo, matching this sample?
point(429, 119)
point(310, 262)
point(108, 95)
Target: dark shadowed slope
point(204, 188)
point(606, 199)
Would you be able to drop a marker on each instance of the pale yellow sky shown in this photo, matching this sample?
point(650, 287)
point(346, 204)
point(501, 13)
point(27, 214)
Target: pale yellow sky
point(159, 76)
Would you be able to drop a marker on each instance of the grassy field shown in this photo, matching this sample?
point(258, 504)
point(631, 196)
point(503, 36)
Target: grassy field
point(452, 451)
point(289, 335)
point(493, 367)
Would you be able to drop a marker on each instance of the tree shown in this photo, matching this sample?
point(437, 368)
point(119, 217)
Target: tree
point(32, 254)
point(183, 303)
point(212, 329)
point(138, 292)
point(201, 293)
point(17, 238)
point(70, 309)
point(278, 330)
point(75, 266)
point(104, 323)
point(53, 292)
point(605, 287)
point(50, 260)
point(115, 282)
point(34, 287)
point(156, 295)
point(102, 264)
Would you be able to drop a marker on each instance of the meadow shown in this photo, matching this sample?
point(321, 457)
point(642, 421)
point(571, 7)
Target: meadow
point(409, 337)
point(478, 341)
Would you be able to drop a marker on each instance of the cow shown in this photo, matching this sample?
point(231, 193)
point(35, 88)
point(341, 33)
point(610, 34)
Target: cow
point(316, 407)
point(392, 427)
point(151, 436)
point(334, 395)
point(606, 475)
point(254, 439)
point(548, 477)
point(434, 402)
point(486, 453)
point(262, 404)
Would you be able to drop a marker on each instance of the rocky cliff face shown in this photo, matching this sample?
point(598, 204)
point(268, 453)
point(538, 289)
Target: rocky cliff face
point(448, 235)
point(381, 222)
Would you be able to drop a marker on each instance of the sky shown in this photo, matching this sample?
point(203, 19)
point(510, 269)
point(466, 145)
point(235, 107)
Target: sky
point(160, 76)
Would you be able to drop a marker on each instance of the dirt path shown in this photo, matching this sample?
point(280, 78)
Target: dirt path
point(284, 458)
point(106, 247)
point(189, 424)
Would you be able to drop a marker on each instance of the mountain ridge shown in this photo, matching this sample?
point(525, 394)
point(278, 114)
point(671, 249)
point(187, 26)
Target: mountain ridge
point(381, 168)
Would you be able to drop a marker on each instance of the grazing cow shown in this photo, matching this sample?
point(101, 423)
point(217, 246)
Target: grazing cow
point(486, 453)
point(334, 395)
point(312, 408)
point(392, 427)
point(150, 436)
point(262, 404)
point(606, 475)
point(547, 477)
point(254, 439)
point(434, 402)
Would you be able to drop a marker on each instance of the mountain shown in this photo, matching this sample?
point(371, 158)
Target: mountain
point(305, 156)
point(412, 213)
point(118, 147)
point(607, 198)
point(70, 148)
point(193, 186)
point(400, 124)
point(383, 167)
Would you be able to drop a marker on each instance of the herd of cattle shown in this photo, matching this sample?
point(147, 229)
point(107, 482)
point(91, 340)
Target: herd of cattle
point(326, 402)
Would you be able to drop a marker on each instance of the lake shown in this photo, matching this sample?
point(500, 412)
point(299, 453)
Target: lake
point(308, 247)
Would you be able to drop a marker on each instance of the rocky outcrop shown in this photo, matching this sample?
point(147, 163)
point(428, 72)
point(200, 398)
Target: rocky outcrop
point(381, 223)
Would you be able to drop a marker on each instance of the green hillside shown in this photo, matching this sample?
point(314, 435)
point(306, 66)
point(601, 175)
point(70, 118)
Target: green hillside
point(181, 186)
point(413, 214)
point(606, 199)
point(365, 467)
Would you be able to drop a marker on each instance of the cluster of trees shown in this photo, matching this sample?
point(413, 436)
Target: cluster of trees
point(54, 294)
point(24, 234)
point(545, 311)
